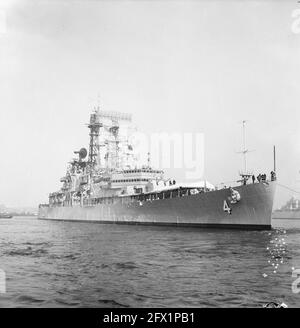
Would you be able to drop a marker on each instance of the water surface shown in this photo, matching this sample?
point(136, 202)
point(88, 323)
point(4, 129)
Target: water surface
point(70, 264)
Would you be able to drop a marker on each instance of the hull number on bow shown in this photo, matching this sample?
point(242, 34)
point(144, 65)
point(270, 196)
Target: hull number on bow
point(226, 208)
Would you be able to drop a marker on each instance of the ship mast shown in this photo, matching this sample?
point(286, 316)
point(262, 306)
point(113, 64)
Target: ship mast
point(244, 174)
point(111, 122)
point(274, 157)
point(94, 146)
point(244, 150)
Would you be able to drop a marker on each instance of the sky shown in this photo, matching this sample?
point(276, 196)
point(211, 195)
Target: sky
point(176, 66)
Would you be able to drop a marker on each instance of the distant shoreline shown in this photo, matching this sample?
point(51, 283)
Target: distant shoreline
point(22, 214)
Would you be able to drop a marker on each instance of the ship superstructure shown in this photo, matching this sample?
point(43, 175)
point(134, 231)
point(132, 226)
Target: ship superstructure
point(292, 205)
point(110, 169)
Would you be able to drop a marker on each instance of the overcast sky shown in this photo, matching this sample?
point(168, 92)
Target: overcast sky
point(177, 66)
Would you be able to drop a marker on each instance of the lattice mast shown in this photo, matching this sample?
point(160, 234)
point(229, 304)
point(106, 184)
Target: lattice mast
point(94, 146)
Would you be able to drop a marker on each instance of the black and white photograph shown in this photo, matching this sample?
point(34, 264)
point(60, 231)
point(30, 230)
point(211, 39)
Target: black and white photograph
point(150, 156)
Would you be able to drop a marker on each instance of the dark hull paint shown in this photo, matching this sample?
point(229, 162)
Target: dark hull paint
point(253, 211)
point(182, 225)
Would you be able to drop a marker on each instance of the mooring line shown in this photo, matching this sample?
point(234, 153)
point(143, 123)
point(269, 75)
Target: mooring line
point(288, 188)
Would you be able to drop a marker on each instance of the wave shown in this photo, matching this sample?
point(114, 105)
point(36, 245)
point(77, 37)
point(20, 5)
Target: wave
point(28, 251)
point(112, 303)
point(29, 299)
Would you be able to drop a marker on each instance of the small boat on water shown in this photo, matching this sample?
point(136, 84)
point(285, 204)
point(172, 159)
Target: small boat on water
point(5, 216)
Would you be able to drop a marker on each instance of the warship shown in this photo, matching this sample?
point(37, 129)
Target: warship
point(105, 184)
point(5, 216)
point(289, 211)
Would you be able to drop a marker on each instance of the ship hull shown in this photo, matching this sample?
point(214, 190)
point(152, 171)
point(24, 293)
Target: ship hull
point(286, 215)
point(253, 211)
